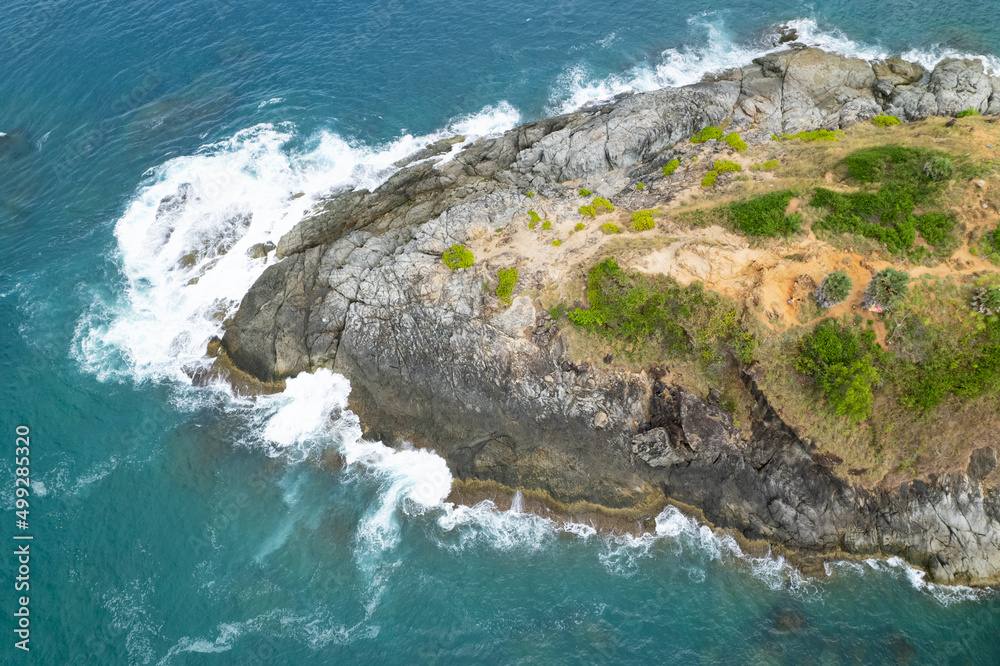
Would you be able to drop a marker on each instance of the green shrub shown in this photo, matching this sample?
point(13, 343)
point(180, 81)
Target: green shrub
point(640, 187)
point(986, 301)
point(532, 224)
point(835, 288)
point(764, 166)
point(967, 113)
point(546, 225)
point(602, 205)
point(707, 134)
point(530, 194)
point(458, 256)
point(843, 365)
point(671, 166)
point(557, 242)
point(507, 278)
point(735, 142)
point(939, 168)
point(580, 226)
point(640, 309)
point(585, 193)
point(885, 120)
point(534, 216)
point(610, 228)
point(642, 220)
point(588, 210)
point(974, 251)
point(725, 166)
point(709, 179)
point(815, 135)
point(887, 288)
point(765, 215)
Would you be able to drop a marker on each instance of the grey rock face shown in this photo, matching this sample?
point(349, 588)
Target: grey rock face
point(361, 289)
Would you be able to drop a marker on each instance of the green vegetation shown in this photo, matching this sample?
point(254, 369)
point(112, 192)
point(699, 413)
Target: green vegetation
point(735, 142)
point(725, 166)
point(610, 228)
point(709, 179)
point(707, 134)
point(588, 210)
point(843, 365)
point(836, 287)
point(815, 135)
point(764, 166)
point(986, 301)
point(887, 288)
point(671, 166)
point(507, 278)
point(909, 177)
point(641, 309)
point(967, 113)
point(765, 215)
point(640, 187)
point(602, 205)
point(643, 220)
point(989, 246)
point(546, 225)
point(580, 226)
point(585, 193)
point(530, 194)
point(885, 120)
point(458, 256)
point(557, 242)
point(532, 224)
point(534, 216)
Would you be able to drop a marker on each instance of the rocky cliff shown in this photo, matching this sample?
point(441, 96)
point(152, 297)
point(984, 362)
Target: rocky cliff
point(433, 358)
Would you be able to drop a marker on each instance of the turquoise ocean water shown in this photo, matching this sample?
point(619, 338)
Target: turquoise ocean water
point(183, 525)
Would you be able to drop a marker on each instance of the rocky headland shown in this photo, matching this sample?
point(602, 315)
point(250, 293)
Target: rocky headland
point(511, 392)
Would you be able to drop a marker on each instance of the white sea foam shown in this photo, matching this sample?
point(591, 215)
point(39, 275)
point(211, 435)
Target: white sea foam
point(269, 102)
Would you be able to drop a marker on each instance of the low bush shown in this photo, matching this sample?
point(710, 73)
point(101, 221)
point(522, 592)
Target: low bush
point(642, 220)
point(885, 120)
point(986, 301)
point(735, 142)
point(671, 166)
point(725, 166)
point(546, 225)
point(507, 279)
point(640, 187)
point(457, 256)
point(843, 365)
point(610, 228)
point(557, 242)
point(602, 205)
point(835, 288)
point(939, 168)
point(530, 194)
point(764, 166)
point(585, 193)
point(765, 215)
point(709, 179)
point(580, 226)
point(967, 113)
point(533, 216)
point(588, 210)
point(707, 134)
point(887, 288)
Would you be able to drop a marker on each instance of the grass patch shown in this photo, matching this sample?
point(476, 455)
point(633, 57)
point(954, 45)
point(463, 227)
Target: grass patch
point(769, 165)
point(809, 137)
point(967, 113)
point(610, 228)
point(765, 215)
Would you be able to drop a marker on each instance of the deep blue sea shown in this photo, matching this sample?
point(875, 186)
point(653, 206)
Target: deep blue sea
point(181, 525)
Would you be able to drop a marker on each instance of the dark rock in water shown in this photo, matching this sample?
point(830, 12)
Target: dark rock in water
point(788, 620)
point(785, 35)
point(16, 144)
point(172, 204)
point(901, 650)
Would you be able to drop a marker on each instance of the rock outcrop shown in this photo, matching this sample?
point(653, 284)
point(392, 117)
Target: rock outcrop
point(361, 289)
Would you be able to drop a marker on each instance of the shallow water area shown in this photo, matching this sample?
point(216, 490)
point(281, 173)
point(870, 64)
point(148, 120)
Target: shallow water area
point(145, 149)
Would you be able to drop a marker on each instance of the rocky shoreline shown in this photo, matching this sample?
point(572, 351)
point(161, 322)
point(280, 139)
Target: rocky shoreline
point(433, 359)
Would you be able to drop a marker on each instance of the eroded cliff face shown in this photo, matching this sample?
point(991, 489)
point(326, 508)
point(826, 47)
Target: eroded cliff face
point(361, 289)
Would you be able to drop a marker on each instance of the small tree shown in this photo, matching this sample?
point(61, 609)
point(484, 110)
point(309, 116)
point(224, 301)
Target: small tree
point(835, 288)
point(887, 288)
